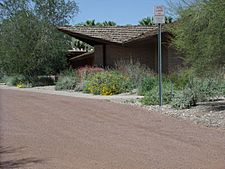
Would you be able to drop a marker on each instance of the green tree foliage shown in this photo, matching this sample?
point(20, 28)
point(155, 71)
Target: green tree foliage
point(55, 12)
point(109, 23)
point(29, 41)
point(200, 34)
point(77, 44)
point(149, 21)
point(93, 23)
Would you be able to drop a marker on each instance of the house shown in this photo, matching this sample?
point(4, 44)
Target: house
point(123, 42)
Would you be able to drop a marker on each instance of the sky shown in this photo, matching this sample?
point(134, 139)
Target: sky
point(120, 11)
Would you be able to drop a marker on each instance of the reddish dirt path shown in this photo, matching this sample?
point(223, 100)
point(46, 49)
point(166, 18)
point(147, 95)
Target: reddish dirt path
point(40, 131)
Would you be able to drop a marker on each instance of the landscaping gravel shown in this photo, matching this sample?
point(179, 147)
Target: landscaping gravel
point(210, 114)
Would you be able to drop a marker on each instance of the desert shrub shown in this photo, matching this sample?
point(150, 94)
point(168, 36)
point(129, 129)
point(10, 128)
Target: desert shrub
point(42, 81)
point(180, 79)
point(134, 70)
point(84, 72)
point(197, 90)
point(184, 99)
point(152, 97)
point(147, 84)
point(205, 89)
point(67, 81)
point(222, 86)
point(2, 75)
point(14, 80)
point(81, 86)
point(107, 83)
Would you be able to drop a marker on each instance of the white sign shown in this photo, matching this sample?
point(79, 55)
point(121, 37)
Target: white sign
point(159, 14)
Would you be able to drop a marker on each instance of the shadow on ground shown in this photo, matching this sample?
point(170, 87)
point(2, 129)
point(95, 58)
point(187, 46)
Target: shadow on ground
point(218, 105)
point(16, 163)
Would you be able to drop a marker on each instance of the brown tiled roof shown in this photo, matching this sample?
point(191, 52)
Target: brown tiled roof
point(111, 34)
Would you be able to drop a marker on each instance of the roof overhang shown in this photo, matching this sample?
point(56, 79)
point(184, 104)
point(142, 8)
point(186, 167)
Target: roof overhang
point(85, 38)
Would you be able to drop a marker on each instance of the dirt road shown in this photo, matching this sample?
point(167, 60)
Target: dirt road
point(40, 131)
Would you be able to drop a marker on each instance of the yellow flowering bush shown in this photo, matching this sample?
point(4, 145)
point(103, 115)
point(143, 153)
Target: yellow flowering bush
point(107, 83)
point(20, 85)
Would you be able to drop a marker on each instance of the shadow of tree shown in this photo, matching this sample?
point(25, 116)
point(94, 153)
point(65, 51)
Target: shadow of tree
point(215, 106)
point(16, 163)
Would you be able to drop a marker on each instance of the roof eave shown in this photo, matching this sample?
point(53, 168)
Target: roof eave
point(85, 38)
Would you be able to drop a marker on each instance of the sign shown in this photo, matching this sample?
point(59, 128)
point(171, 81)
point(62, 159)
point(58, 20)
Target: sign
point(159, 18)
point(159, 14)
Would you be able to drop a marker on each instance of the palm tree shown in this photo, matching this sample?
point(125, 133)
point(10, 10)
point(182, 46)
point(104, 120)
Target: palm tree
point(148, 21)
point(87, 23)
point(108, 23)
point(90, 23)
point(79, 45)
point(168, 19)
point(93, 23)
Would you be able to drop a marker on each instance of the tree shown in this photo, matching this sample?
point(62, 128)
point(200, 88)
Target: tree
point(79, 45)
point(87, 23)
point(168, 19)
point(148, 21)
point(55, 12)
point(93, 23)
point(199, 34)
point(29, 41)
point(108, 23)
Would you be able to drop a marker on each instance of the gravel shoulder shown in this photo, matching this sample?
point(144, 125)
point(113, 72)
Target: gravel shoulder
point(210, 114)
point(50, 90)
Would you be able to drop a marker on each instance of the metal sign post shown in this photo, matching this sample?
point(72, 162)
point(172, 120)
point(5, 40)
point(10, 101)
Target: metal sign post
point(159, 18)
point(160, 64)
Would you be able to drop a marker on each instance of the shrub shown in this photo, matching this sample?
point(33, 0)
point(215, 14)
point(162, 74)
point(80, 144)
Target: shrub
point(2, 75)
point(107, 83)
point(147, 84)
point(205, 89)
point(22, 85)
point(42, 81)
point(152, 97)
point(134, 70)
point(184, 99)
point(67, 81)
point(180, 79)
point(222, 87)
point(197, 90)
point(84, 72)
point(14, 80)
point(81, 86)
